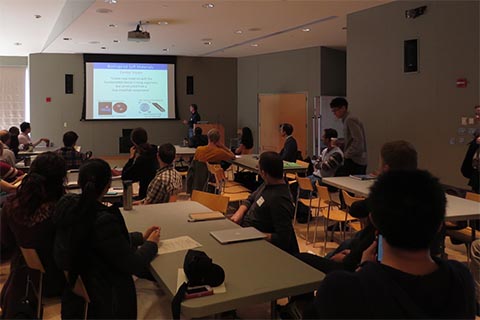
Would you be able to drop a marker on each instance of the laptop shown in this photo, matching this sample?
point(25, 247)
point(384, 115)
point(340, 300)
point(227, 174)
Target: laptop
point(237, 235)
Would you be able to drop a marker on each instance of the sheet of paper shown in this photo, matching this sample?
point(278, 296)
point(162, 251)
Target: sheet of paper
point(177, 244)
point(181, 278)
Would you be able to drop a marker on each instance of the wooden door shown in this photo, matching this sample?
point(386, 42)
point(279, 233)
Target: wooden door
point(274, 109)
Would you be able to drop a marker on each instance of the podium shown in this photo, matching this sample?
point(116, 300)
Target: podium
point(208, 126)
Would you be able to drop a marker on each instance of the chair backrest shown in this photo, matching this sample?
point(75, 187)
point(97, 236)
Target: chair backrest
point(304, 183)
point(32, 259)
point(350, 199)
point(197, 176)
point(472, 196)
point(80, 290)
point(323, 193)
point(214, 202)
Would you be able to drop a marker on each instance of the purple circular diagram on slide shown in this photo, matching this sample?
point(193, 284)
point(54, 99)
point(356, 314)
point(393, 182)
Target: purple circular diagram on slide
point(144, 107)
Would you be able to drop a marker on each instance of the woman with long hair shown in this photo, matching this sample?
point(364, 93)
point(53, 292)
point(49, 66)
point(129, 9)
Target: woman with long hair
point(26, 221)
point(246, 142)
point(142, 164)
point(92, 241)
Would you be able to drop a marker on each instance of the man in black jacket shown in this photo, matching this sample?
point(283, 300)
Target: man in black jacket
point(290, 149)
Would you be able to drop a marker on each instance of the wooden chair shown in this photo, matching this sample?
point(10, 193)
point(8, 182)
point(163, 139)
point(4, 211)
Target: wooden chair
point(292, 177)
point(80, 290)
point(314, 203)
point(231, 189)
point(358, 224)
point(331, 214)
point(33, 262)
point(212, 201)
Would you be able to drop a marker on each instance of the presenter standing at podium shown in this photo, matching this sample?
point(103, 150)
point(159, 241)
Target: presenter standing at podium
point(194, 118)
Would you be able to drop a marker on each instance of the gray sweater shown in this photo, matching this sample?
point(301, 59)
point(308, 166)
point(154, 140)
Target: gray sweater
point(355, 142)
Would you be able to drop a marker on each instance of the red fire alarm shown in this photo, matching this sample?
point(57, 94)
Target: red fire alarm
point(48, 99)
point(461, 83)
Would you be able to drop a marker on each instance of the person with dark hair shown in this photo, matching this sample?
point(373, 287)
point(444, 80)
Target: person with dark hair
point(330, 159)
point(290, 149)
point(6, 154)
point(92, 241)
point(73, 158)
point(14, 144)
point(167, 182)
point(471, 163)
point(246, 142)
point(24, 137)
point(355, 149)
point(407, 209)
point(270, 208)
point(27, 222)
point(198, 139)
point(142, 164)
point(394, 155)
point(214, 151)
point(194, 118)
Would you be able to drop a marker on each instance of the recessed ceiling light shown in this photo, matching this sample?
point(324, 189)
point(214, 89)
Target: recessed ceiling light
point(162, 23)
point(116, 41)
point(37, 16)
point(238, 32)
point(111, 1)
point(67, 39)
point(208, 5)
point(254, 45)
point(112, 25)
point(254, 29)
point(306, 29)
point(103, 48)
point(94, 42)
point(207, 39)
point(17, 43)
point(207, 43)
point(165, 49)
point(103, 10)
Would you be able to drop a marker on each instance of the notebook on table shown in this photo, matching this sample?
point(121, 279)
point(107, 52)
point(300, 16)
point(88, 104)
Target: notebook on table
point(363, 177)
point(204, 216)
point(237, 235)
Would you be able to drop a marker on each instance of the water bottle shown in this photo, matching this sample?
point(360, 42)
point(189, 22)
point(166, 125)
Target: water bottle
point(127, 195)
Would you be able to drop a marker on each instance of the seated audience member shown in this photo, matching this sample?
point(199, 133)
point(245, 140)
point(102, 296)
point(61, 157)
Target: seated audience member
point(408, 210)
point(475, 268)
point(246, 142)
point(27, 222)
point(6, 154)
point(270, 208)
point(214, 151)
point(142, 164)
point(73, 158)
point(198, 139)
point(471, 163)
point(167, 181)
point(92, 241)
point(13, 145)
point(330, 159)
point(394, 155)
point(290, 149)
point(24, 137)
point(9, 173)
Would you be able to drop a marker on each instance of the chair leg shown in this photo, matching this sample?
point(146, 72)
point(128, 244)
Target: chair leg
point(39, 297)
point(85, 312)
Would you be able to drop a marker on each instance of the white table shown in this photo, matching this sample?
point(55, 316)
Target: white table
point(457, 208)
point(37, 151)
point(250, 162)
point(255, 271)
point(184, 151)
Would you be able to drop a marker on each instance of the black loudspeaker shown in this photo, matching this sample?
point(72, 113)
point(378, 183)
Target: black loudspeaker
point(410, 56)
point(69, 83)
point(189, 85)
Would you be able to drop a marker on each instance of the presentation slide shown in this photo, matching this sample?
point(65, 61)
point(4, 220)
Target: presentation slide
point(129, 91)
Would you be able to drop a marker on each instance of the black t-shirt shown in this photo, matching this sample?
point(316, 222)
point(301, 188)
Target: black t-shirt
point(373, 293)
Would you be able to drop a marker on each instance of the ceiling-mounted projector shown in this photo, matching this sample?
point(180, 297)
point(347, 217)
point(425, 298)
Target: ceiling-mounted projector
point(138, 34)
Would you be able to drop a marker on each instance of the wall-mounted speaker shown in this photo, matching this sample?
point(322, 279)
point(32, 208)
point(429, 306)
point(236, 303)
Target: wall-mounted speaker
point(69, 83)
point(189, 85)
point(410, 55)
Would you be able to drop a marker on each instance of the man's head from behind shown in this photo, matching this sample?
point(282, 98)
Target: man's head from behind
point(407, 207)
point(24, 126)
point(271, 165)
point(166, 153)
point(69, 138)
point(213, 136)
point(398, 155)
point(198, 131)
point(5, 136)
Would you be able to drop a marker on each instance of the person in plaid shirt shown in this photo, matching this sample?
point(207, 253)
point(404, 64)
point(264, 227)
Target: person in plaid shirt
point(167, 181)
point(73, 158)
